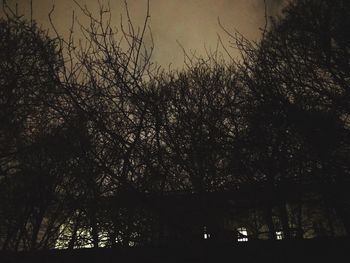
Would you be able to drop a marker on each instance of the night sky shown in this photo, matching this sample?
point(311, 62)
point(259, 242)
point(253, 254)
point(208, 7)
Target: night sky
point(193, 23)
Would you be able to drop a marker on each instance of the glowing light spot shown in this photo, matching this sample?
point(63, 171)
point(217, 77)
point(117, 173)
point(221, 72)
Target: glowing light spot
point(279, 235)
point(243, 234)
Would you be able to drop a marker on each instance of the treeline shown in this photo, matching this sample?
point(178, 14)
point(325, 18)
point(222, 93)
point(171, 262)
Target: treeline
point(95, 120)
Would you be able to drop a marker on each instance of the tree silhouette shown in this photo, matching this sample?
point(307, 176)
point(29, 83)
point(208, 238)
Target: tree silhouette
point(100, 147)
point(297, 78)
point(29, 97)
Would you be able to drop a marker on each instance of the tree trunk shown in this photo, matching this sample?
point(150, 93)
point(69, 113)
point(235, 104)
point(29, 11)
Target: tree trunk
point(285, 221)
point(73, 239)
point(269, 222)
point(94, 230)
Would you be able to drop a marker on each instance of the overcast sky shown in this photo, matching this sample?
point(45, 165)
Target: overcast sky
point(193, 23)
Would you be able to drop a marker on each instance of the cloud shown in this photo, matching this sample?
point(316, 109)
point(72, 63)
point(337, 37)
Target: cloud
point(193, 23)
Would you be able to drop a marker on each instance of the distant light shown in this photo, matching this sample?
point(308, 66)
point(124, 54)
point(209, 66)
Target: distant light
point(242, 231)
point(279, 235)
point(206, 235)
point(131, 243)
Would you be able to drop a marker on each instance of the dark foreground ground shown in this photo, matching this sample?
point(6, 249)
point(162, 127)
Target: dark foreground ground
point(335, 250)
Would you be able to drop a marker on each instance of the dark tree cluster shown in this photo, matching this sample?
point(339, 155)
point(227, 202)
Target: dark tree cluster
point(100, 147)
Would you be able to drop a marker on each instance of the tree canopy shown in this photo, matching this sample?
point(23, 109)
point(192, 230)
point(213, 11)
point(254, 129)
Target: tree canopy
point(95, 140)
